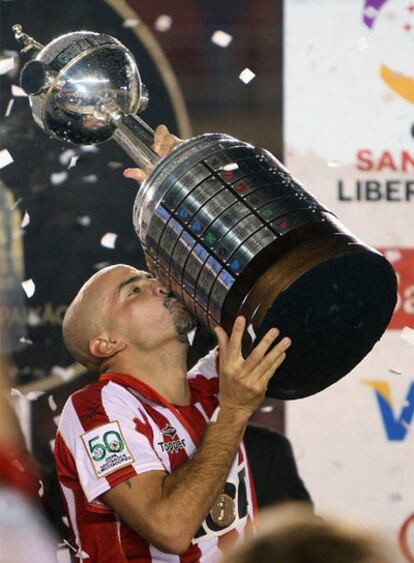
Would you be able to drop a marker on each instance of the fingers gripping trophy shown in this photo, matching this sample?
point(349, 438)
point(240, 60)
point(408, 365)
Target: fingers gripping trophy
point(222, 223)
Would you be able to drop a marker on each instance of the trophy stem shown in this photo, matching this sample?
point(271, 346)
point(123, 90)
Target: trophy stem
point(136, 138)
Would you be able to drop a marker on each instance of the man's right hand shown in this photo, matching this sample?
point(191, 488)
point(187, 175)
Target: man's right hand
point(243, 382)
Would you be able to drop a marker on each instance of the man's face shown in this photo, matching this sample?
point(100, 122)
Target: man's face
point(141, 310)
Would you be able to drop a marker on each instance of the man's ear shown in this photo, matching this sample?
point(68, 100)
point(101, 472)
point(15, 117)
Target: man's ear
point(105, 347)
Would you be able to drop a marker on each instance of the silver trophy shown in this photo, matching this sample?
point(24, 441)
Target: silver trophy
point(223, 223)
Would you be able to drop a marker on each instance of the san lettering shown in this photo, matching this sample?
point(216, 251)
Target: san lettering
point(367, 161)
point(374, 190)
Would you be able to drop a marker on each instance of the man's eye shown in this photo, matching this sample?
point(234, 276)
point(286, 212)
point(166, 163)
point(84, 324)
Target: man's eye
point(134, 290)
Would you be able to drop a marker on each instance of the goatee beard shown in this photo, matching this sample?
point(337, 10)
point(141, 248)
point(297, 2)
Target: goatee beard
point(184, 321)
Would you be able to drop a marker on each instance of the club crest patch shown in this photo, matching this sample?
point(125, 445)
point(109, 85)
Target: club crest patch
point(107, 448)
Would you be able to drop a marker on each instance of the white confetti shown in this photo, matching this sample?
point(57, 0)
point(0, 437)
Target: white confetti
point(250, 330)
point(100, 265)
point(34, 395)
point(65, 521)
point(246, 75)
point(267, 408)
point(58, 178)
point(41, 490)
point(82, 554)
point(230, 166)
point(362, 43)
point(6, 65)
point(115, 165)
point(18, 92)
point(334, 163)
point(130, 23)
point(407, 334)
point(163, 23)
point(5, 158)
point(24, 340)
point(395, 371)
point(56, 419)
point(89, 148)
point(65, 156)
point(393, 255)
point(52, 445)
point(52, 403)
point(109, 240)
point(29, 287)
point(90, 179)
point(33, 319)
point(25, 220)
point(221, 38)
point(191, 336)
point(65, 542)
point(84, 221)
point(63, 373)
point(73, 161)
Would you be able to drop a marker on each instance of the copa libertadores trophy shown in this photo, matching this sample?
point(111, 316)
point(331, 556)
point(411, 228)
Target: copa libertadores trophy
point(223, 223)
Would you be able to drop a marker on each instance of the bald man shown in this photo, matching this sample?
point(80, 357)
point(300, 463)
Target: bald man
point(149, 467)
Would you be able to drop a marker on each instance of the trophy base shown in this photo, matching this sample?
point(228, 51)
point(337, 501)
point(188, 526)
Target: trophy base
point(334, 313)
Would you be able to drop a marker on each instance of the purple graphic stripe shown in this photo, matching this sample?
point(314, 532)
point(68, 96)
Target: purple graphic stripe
point(371, 10)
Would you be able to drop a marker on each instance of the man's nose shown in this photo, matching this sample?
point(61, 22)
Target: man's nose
point(160, 289)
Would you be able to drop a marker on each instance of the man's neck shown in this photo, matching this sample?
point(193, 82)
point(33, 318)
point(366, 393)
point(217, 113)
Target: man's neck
point(164, 370)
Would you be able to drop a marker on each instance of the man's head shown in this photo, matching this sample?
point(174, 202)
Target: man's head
point(121, 308)
point(291, 533)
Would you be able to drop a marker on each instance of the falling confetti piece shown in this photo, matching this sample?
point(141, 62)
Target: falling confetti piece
point(85, 220)
point(246, 75)
point(334, 163)
point(64, 373)
point(18, 92)
point(58, 178)
point(5, 158)
point(89, 148)
point(24, 340)
point(90, 179)
point(56, 419)
point(362, 43)
point(82, 554)
point(108, 240)
point(29, 287)
point(65, 521)
point(221, 38)
point(41, 490)
point(65, 542)
point(9, 107)
point(52, 403)
point(191, 336)
point(25, 220)
point(163, 23)
point(231, 166)
point(65, 156)
point(395, 371)
point(34, 395)
point(130, 23)
point(33, 319)
point(100, 265)
point(407, 334)
point(392, 255)
point(115, 165)
point(73, 161)
point(52, 445)
point(267, 408)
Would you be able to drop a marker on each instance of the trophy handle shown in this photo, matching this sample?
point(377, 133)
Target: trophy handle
point(136, 138)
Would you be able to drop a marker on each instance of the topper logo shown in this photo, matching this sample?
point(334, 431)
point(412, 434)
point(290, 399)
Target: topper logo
point(396, 424)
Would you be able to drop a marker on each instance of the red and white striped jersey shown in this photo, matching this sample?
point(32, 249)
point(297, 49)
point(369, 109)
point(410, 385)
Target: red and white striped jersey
point(119, 427)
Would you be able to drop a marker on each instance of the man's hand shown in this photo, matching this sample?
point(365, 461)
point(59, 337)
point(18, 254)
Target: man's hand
point(164, 143)
point(243, 382)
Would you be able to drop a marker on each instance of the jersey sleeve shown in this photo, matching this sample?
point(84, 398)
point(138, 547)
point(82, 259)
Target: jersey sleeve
point(103, 440)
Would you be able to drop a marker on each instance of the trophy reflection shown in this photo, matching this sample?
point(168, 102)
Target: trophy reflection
point(223, 223)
